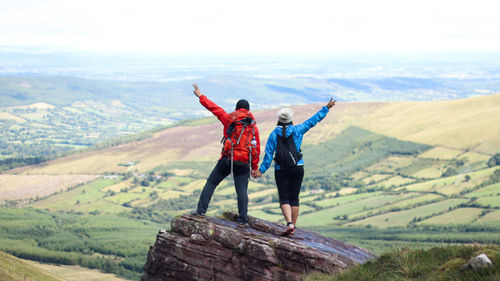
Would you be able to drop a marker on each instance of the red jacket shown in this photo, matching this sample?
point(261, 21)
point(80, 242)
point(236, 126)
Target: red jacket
point(223, 116)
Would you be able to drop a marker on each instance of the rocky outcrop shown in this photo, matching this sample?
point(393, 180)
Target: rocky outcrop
point(218, 249)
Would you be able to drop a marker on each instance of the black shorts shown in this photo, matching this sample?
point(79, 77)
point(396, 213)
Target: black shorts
point(289, 182)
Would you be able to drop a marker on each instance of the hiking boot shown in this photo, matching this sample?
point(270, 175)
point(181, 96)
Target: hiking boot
point(290, 229)
point(243, 225)
point(198, 215)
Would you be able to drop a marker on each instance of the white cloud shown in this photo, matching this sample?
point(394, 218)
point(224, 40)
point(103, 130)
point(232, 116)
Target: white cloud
point(253, 26)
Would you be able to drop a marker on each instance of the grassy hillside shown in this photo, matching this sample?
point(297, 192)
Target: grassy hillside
point(110, 243)
point(364, 183)
point(467, 124)
point(436, 264)
point(42, 117)
point(14, 269)
point(76, 273)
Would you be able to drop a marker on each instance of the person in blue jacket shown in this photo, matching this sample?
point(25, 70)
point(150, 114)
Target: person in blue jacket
point(289, 180)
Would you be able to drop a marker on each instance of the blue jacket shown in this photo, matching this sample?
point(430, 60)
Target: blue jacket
point(298, 134)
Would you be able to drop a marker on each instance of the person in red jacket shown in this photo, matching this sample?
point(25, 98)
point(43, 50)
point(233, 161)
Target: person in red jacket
point(224, 167)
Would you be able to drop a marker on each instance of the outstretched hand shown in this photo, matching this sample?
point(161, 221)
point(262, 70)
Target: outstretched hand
point(197, 91)
point(331, 103)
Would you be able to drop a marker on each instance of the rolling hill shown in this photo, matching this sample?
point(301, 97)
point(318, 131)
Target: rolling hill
point(44, 116)
point(380, 175)
point(14, 269)
point(464, 125)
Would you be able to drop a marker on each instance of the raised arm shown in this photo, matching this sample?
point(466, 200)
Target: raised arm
point(216, 110)
point(316, 118)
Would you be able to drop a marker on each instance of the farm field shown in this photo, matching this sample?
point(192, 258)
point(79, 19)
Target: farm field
point(457, 216)
point(489, 201)
point(442, 153)
point(489, 190)
point(325, 216)
point(14, 187)
point(375, 187)
point(402, 218)
point(491, 218)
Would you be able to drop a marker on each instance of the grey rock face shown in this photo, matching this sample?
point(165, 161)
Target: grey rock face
point(216, 249)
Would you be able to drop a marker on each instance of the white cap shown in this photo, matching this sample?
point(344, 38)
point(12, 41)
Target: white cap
point(285, 115)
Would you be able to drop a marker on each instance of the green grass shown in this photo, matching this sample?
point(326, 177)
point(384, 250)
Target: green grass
point(75, 239)
point(375, 178)
point(99, 206)
point(123, 197)
point(391, 164)
point(343, 199)
point(419, 166)
point(353, 149)
point(452, 184)
point(266, 216)
point(417, 200)
point(175, 181)
point(172, 194)
point(435, 264)
point(462, 216)
point(404, 203)
point(492, 219)
point(402, 218)
point(75, 273)
point(68, 200)
point(370, 217)
point(434, 171)
point(395, 181)
point(490, 201)
point(474, 157)
point(489, 190)
point(328, 216)
point(262, 194)
point(14, 269)
point(442, 153)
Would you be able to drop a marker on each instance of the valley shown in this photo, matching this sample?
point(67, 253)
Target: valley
point(380, 175)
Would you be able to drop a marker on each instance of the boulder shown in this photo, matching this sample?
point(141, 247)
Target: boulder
point(481, 261)
point(210, 248)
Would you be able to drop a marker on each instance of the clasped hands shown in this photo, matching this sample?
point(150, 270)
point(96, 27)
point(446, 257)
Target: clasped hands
point(256, 174)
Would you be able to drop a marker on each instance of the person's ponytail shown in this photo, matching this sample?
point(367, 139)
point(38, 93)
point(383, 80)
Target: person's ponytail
point(283, 127)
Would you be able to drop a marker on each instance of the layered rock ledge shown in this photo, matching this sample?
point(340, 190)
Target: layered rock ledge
point(218, 249)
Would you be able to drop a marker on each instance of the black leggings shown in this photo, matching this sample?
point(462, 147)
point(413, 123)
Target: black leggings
point(289, 182)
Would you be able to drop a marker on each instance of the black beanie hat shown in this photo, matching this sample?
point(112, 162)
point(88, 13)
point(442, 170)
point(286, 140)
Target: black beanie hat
point(243, 104)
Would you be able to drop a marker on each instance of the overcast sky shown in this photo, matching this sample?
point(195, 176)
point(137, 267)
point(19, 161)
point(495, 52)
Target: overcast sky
point(233, 26)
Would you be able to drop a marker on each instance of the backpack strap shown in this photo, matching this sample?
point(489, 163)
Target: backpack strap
point(241, 134)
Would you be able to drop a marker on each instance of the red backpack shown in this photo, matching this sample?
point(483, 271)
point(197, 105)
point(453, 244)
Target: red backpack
point(240, 138)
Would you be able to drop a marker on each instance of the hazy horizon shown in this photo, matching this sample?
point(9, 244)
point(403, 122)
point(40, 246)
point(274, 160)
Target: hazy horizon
point(228, 27)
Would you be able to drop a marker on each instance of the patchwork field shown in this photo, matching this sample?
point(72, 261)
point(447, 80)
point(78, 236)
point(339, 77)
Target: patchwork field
point(491, 218)
point(442, 153)
point(13, 187)
point(457, 216)
point(370, 178)
point(402, 218)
